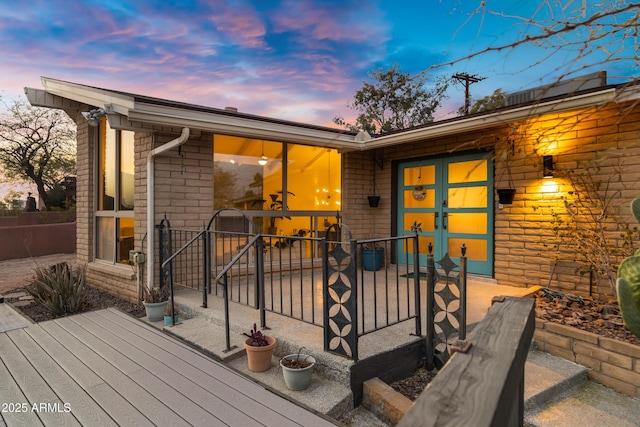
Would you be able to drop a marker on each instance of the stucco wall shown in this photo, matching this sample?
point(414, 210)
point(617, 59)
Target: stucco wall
point(26, 241)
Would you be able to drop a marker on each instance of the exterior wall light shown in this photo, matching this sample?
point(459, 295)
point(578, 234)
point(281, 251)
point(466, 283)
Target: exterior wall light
point(94, 117)
point(547, 166)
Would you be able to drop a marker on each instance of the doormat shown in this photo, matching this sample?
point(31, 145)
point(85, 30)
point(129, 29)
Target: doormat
point(410, 275)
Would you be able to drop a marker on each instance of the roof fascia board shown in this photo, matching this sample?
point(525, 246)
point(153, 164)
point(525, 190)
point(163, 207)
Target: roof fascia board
point(88, 95)
point(41, 98)
point(494, 119)
point(240, 126)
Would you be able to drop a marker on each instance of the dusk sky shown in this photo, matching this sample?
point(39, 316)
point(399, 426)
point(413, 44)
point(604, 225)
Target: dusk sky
point(299, 60)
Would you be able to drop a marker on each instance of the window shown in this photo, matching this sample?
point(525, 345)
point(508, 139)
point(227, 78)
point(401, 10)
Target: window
point(115, 195)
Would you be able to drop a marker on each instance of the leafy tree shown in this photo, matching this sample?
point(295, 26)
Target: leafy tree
point(490, 102)
point(37, 145)
point(394, 100)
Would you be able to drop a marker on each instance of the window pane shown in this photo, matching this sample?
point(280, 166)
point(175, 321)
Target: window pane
point(420, 175)
point(125, 239)
point(104, 239)
point(314, 176)
point(107, 171)
point(471, 171)
point(127, 169)
point(468, 197)
point(241, 182)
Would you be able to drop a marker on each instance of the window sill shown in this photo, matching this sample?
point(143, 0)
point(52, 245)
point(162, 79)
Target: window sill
point(121, 271)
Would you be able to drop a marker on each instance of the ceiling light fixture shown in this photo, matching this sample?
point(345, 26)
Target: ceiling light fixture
point(263, 159)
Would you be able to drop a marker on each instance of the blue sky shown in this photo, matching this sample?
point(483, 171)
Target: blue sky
point(299, 60)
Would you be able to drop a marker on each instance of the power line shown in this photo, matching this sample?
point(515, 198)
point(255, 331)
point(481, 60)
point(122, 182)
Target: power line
point(468, 80)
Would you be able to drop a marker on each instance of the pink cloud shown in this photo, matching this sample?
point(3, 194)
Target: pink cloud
point(242, 26)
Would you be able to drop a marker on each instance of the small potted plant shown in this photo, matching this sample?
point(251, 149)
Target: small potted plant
point(167, 315)
point(259, 349)
point(297, 369)
point(155, 301)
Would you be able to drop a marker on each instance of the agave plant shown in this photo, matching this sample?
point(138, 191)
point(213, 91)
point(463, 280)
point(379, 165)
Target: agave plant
point(58, 288)
point(628, 284)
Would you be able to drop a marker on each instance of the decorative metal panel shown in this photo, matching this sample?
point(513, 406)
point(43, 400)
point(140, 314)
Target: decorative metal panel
point(339, 283)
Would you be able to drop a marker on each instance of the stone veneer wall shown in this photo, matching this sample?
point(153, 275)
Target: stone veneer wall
point(613, 363)
point(526, 248)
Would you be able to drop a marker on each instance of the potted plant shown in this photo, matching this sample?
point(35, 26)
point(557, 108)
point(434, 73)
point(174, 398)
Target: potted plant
point(259, 349)
point(372, 256)
point(155, 302)
point(297, 369)
point(507, 194)
point(167, 315)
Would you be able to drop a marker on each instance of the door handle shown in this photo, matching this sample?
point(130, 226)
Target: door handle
point(444, 220)
point(435, 220)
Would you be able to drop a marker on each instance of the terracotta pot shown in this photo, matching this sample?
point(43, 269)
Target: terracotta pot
point(259, 358)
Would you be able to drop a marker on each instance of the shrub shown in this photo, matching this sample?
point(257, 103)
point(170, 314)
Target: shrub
point(58, 288)
point(155, 295)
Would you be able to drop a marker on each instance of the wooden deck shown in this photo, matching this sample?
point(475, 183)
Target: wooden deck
point(105, 368)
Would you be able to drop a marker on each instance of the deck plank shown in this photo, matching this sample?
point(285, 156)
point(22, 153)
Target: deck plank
point(172, 375)
point(34, 387)
point(82, 406)
point(214, 395)
point(11, 393)
point(143, 408)
point(260, 400)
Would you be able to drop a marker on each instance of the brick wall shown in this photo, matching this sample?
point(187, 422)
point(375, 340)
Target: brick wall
point(527, 252)
point(613, 363)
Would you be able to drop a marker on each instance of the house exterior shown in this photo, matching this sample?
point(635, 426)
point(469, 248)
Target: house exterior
point(149, 159)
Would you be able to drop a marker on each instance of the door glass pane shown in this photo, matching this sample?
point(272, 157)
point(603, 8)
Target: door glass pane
point(468, 223)
point(127, 168)
point(425, 198)
point(104, 238)
point(471, 171)
point(107, 171)
point(420, 175)
point(314, 176)
point(476, 249)
point(467, 197)
point(423, 244)
point(125, 239)
point(426, 219)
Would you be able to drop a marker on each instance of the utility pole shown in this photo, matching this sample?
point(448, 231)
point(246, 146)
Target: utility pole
point(468, 80)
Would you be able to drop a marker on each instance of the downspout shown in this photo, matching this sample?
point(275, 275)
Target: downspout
point(151, 199)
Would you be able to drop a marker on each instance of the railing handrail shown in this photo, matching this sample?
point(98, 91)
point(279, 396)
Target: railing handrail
point(240, 254)
point(183, 248)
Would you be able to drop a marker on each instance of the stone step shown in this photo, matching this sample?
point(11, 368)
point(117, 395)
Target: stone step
point(547, 376)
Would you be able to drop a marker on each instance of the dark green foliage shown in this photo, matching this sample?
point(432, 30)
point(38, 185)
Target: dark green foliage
point(58, 288)
point(628, 284)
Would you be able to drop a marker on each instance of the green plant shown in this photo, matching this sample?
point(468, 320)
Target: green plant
point(58, 288)
point(628, 283)
point(155, 295)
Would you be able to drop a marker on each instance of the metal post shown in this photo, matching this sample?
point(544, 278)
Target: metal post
point(206, 265)
point(463, 293)
point(431, 283)
point(416, 283)
point(260, 291)
point(226, 313)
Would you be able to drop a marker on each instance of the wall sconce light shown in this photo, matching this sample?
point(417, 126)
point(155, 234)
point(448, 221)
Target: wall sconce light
point(94, 117)
point(547, 166)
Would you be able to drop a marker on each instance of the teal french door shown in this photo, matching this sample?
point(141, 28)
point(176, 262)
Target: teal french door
point(452, 199)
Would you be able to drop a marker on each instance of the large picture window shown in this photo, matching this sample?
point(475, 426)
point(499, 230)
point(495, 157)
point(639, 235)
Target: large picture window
point(115, 195)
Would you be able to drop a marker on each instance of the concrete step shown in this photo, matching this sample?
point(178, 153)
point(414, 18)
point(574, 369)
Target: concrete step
point(558, 393)
point(546, 376)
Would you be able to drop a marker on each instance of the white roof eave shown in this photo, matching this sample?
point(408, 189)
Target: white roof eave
point(493, 119)
point(241, 126)
point(119, 103)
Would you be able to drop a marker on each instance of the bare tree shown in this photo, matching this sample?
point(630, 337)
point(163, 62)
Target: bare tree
point(37, 145)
